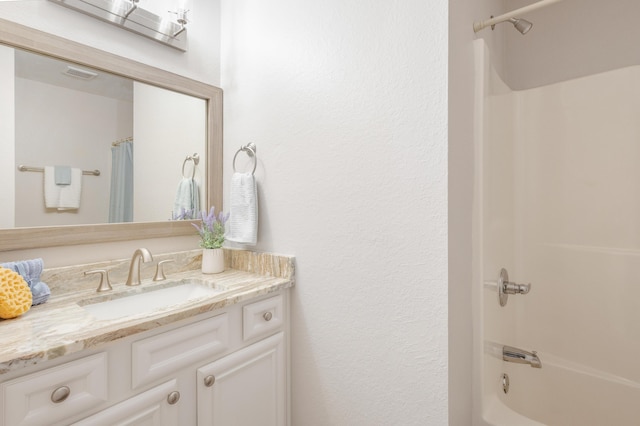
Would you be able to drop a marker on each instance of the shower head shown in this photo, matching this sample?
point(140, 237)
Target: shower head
point(521, 25)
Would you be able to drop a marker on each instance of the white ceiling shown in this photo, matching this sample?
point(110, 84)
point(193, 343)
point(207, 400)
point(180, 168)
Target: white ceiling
point(48, 70)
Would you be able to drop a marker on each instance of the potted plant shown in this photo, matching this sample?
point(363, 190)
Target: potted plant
point(211, 230)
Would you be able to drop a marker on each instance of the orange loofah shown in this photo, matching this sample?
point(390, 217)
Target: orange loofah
point(15, 295)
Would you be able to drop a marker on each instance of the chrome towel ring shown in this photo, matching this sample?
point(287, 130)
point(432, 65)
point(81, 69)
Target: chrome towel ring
point(196, 159)
point(250, 149)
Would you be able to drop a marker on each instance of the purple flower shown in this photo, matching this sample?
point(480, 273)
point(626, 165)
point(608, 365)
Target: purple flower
point(211, 229)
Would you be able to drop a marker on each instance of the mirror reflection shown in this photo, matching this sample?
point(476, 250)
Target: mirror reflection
point(69, 121)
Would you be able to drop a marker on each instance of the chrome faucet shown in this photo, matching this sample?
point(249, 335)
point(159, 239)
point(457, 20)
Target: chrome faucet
point(134, 267)
point(511, 354)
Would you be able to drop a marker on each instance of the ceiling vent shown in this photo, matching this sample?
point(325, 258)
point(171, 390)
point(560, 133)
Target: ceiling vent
point(79, 73)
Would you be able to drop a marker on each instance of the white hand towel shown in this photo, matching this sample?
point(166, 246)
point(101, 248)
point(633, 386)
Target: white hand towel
point(62, 197)
point(243, 219)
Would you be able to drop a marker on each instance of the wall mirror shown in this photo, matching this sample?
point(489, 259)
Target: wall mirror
point(162, 139)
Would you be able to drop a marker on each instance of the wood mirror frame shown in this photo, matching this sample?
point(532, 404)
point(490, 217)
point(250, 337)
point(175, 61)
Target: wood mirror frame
point(22, 37)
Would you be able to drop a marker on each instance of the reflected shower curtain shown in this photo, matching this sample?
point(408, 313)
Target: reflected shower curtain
point(121, 199)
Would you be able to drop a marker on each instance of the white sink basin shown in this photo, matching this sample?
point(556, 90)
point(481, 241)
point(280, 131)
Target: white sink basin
point(146, 300)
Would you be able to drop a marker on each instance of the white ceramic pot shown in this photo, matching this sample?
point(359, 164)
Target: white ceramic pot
point(212, 261)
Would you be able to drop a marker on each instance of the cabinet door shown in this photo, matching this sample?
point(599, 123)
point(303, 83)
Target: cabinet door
point(55, 394)
point(246, 388)
point(155, 407)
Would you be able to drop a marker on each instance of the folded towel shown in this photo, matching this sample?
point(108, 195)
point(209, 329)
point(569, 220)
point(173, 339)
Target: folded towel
point(187, 203)
point(40, 292)
point(62, 175)
point(30, 270)
point(243, 220)
point(62, 197)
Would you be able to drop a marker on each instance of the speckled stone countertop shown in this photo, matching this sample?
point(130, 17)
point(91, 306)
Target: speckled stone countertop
point(61, 326)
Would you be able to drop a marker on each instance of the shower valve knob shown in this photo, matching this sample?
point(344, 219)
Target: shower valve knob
point(513, 288)
point(505, 287)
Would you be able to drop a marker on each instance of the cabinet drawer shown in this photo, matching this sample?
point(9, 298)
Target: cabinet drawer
point(76, 386)
point(163, 354)
point(263, 317)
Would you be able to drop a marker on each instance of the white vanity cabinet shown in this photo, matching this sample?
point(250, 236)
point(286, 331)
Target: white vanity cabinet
point(226, 368)
point(245, 388)
point(248, 387)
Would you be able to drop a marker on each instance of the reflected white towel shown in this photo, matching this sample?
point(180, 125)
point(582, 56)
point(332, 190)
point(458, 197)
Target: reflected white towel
point(243, 219)
point(187, 199)
point(62, 175)
point(62, 197)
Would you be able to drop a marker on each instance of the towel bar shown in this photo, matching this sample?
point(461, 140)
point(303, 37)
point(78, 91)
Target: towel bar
point(41, 170)
point(250, 149)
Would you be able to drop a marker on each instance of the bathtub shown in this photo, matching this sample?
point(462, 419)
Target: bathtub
point(565, 393)
point(557, 203)
point(561, 393)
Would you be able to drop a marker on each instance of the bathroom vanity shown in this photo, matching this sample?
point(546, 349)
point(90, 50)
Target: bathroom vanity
point(221, 359)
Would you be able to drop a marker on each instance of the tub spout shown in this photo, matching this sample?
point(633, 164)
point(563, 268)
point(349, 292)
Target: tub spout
point(511, 354)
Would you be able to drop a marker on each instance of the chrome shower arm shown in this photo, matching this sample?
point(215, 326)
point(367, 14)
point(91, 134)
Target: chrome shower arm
point(480, 25)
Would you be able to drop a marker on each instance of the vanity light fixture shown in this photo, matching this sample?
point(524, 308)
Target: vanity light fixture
point(129, 15)
point(181, 18)
point(134, 6)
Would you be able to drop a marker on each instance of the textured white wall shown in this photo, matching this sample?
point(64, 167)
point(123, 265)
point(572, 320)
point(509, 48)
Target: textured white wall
point(346, 102)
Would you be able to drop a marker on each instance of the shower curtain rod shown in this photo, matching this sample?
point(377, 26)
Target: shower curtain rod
point(479, 25)
point(118, 142)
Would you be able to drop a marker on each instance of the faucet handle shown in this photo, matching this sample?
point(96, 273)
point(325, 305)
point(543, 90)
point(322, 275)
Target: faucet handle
point(160, 276)
point(105, 284)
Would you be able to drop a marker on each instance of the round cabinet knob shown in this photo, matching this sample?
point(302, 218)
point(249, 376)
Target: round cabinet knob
point(173, 397)
point(267, 316)
point(209, 381)
point(60, 394)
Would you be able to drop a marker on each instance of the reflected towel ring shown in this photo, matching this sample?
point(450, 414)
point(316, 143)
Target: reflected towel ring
point(250, 149)
point(196, 159)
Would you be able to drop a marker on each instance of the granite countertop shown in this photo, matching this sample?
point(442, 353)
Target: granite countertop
point(61, 326)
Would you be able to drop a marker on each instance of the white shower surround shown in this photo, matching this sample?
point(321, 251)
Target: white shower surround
point(557, 204)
